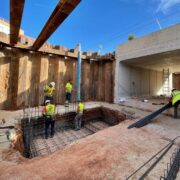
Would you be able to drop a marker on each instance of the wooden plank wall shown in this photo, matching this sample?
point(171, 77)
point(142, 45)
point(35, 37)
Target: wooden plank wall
point(98, 81)
point(23, 76)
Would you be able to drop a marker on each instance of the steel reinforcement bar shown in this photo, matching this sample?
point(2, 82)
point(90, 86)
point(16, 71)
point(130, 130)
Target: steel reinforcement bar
point(172, 167)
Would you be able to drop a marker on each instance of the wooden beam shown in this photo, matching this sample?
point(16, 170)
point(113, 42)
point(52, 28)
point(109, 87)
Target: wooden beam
point(60, 13)
point(16, 11)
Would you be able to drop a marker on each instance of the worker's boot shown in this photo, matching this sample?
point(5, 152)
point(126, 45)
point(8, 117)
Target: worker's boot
point(175, 112)
point(52, 135)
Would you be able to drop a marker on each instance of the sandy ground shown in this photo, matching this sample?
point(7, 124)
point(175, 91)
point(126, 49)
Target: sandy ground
point(113, 153)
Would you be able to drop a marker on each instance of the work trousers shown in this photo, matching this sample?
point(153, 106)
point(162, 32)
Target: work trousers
point(68, 96)
point(176, 109)
point(78, 120)
point(51, 98)
point(49, 121)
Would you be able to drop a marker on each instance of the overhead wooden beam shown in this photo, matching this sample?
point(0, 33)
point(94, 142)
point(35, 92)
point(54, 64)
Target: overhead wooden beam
point(16, 12)
point(60, 13)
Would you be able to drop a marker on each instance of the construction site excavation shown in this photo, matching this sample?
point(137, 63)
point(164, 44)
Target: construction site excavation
point(94, 120)
point(110, 112)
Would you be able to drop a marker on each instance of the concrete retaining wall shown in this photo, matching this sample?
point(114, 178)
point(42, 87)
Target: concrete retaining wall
point(133, 81)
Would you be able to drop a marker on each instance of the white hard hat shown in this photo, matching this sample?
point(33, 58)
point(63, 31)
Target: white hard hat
point(47, 101)
point(52, 84)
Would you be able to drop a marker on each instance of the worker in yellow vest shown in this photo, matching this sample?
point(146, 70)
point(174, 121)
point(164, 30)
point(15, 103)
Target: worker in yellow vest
point(69, 88)
point(78, 118)
point(49, 92)
point(175, 100)
point(48, 113)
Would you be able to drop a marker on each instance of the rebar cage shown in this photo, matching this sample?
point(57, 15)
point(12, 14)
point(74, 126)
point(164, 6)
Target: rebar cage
point(35, 143)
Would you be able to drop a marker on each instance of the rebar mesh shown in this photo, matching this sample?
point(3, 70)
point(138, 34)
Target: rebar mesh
point(36, 144)
point(172, 167)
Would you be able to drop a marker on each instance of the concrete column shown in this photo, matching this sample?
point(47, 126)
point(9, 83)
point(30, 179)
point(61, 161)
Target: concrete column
point(122, 81)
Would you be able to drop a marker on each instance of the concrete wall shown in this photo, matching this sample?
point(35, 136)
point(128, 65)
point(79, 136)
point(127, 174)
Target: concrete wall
point(23, 75)
point(134, 81)
point(140, 62)
point(162, 41)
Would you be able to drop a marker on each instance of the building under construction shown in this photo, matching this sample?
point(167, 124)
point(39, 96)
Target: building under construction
point(128, 127)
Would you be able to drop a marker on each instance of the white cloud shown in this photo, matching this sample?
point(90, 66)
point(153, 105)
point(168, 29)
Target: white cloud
point(166, 5)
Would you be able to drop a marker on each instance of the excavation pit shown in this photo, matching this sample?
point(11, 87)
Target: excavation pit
point(94, 120)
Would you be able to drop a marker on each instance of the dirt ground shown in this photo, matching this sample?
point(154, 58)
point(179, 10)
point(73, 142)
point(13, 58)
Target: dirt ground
point(113, 153)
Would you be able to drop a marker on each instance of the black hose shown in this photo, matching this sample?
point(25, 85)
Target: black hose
point(7, 127)
point(144, 121)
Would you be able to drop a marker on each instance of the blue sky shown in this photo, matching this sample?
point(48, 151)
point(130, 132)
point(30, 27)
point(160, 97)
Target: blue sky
point(99, 24)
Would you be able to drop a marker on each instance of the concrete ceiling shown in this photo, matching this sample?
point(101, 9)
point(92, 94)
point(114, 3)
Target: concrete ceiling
point(16, 12)
point(60, 13)
point(157, 61)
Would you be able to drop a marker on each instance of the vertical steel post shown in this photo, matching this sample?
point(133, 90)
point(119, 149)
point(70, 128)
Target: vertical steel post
point(79, 74)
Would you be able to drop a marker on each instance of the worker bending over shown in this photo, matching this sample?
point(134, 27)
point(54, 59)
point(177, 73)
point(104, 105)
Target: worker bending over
point(48, 113)
point(49, 92)
point(175, 100)
point(68, 92)
point(79, 115)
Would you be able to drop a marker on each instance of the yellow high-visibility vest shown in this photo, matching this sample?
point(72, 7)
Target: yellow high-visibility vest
point(50, 109)
point(81, 107)
point(48, 90)
point(175, 96)
point(68, 87)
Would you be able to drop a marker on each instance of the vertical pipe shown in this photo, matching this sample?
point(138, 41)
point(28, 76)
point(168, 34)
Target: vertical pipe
point(79, 74)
